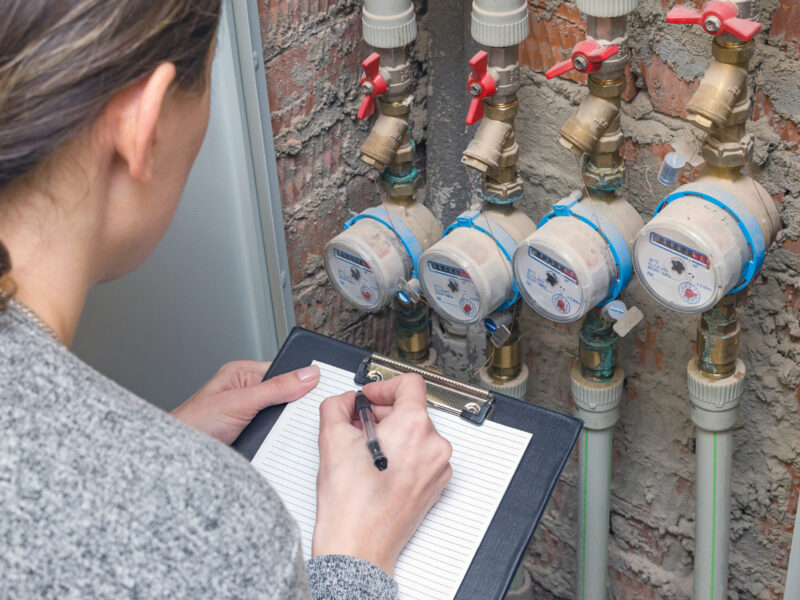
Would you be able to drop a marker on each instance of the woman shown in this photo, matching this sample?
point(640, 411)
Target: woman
point(103, 107)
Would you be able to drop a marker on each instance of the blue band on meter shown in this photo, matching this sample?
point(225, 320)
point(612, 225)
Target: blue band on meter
point(571, 206)
point(475, 219)
point(398, 226)
point(748, 225)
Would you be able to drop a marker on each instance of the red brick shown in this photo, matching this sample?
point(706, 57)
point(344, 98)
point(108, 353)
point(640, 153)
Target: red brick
point(647, 352)
point(551, 41)
point(669, 93)
point(627, 587)
point(785, 28)
point(297, 86)
point(785, 128)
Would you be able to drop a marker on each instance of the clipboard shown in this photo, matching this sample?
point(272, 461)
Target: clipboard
point(553, 436)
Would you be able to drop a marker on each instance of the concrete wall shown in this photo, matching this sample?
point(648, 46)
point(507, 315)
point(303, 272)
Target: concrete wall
point(313, 49)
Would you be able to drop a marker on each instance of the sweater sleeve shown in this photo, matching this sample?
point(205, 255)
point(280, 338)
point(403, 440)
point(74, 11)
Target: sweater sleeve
point(345, 577)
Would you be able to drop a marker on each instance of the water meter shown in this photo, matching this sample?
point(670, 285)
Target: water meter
point(378, 252)
point(707, 239)
point(578, 258)
point(467, 275)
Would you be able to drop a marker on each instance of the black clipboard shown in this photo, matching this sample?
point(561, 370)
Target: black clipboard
point(511, 530)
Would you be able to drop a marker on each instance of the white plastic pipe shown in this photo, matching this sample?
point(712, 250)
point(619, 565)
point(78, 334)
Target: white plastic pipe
point(715, 403)
point(389, 23)
point(597, 404)
point(792, 590)
point(499, 23)
point(712, 513)
point(594, 495)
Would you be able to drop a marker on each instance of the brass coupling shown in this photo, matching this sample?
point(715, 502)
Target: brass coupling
point(606, 177)
point(505, 361)
point(411, 331)
point(718, 339)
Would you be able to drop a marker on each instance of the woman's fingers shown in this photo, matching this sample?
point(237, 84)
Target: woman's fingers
point(277, 390)
point(402, 391)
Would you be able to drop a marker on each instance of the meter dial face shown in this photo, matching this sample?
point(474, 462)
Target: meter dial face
point(451, 290)
point(353, 278)
point(550, 286)
point(675, 271)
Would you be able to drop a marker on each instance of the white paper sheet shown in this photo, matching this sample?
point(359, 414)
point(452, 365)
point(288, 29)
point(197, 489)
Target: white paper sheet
point(433, 564)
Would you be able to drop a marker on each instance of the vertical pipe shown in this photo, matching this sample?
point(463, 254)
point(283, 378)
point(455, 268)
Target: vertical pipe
point(712, 513)
point(594, 495)
point(792, 590)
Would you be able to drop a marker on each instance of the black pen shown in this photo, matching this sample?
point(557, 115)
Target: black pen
point(364, 410)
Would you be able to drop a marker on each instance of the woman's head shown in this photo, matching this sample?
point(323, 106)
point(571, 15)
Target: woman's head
point(129, 77)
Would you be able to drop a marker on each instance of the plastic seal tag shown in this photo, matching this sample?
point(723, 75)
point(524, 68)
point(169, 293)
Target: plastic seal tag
point(747, 223)
point(620, 252)
point(397, 225)
point(475, 219)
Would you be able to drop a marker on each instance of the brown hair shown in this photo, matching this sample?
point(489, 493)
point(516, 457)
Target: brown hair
point(62, 62)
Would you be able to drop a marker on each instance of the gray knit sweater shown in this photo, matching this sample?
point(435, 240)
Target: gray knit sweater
point(102, 495)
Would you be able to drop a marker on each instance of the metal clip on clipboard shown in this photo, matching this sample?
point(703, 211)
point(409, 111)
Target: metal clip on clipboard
point(467, 401)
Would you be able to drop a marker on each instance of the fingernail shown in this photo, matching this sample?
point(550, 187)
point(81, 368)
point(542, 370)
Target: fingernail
point(308, 373)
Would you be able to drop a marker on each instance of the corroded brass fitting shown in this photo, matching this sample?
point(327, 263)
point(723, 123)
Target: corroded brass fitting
point(505, 363)
point(597, 351)
point(411, 331)
point(718, 339)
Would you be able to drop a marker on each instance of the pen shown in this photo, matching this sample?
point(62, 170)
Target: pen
point(364, 410)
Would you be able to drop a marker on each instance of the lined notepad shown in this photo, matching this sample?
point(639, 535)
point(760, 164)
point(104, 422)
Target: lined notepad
point(434, 562)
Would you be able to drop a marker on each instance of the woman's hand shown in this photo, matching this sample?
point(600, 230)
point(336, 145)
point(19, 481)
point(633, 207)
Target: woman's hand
point(364, 512)
point(225, 405)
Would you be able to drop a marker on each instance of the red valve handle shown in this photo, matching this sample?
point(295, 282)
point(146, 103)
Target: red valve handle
point(587, 57)
point(716, 17)
point(372, 75)
point(479, 80)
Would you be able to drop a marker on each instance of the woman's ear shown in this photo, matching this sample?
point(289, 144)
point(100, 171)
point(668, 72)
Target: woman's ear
point(133, 117)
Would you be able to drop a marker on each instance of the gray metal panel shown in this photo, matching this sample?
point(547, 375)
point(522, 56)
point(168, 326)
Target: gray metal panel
point(211, 291)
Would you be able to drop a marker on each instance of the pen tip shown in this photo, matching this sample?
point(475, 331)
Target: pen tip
point(381, 463)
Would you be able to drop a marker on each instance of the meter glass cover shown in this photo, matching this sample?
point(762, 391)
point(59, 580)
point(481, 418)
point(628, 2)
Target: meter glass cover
point(675, 271)
point(451, 290)
point(550, 286)
point(354, 278)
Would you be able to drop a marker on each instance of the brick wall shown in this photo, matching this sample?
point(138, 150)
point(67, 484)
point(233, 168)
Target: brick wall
point(312, 50)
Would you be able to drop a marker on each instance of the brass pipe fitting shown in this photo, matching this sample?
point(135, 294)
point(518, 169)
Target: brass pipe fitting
point(493, 147)
point(719, 91)
point(388, 142)
point(718, 339)
point(411, 331)
point(583, 130)
point(597, 349)
point(505, 363)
